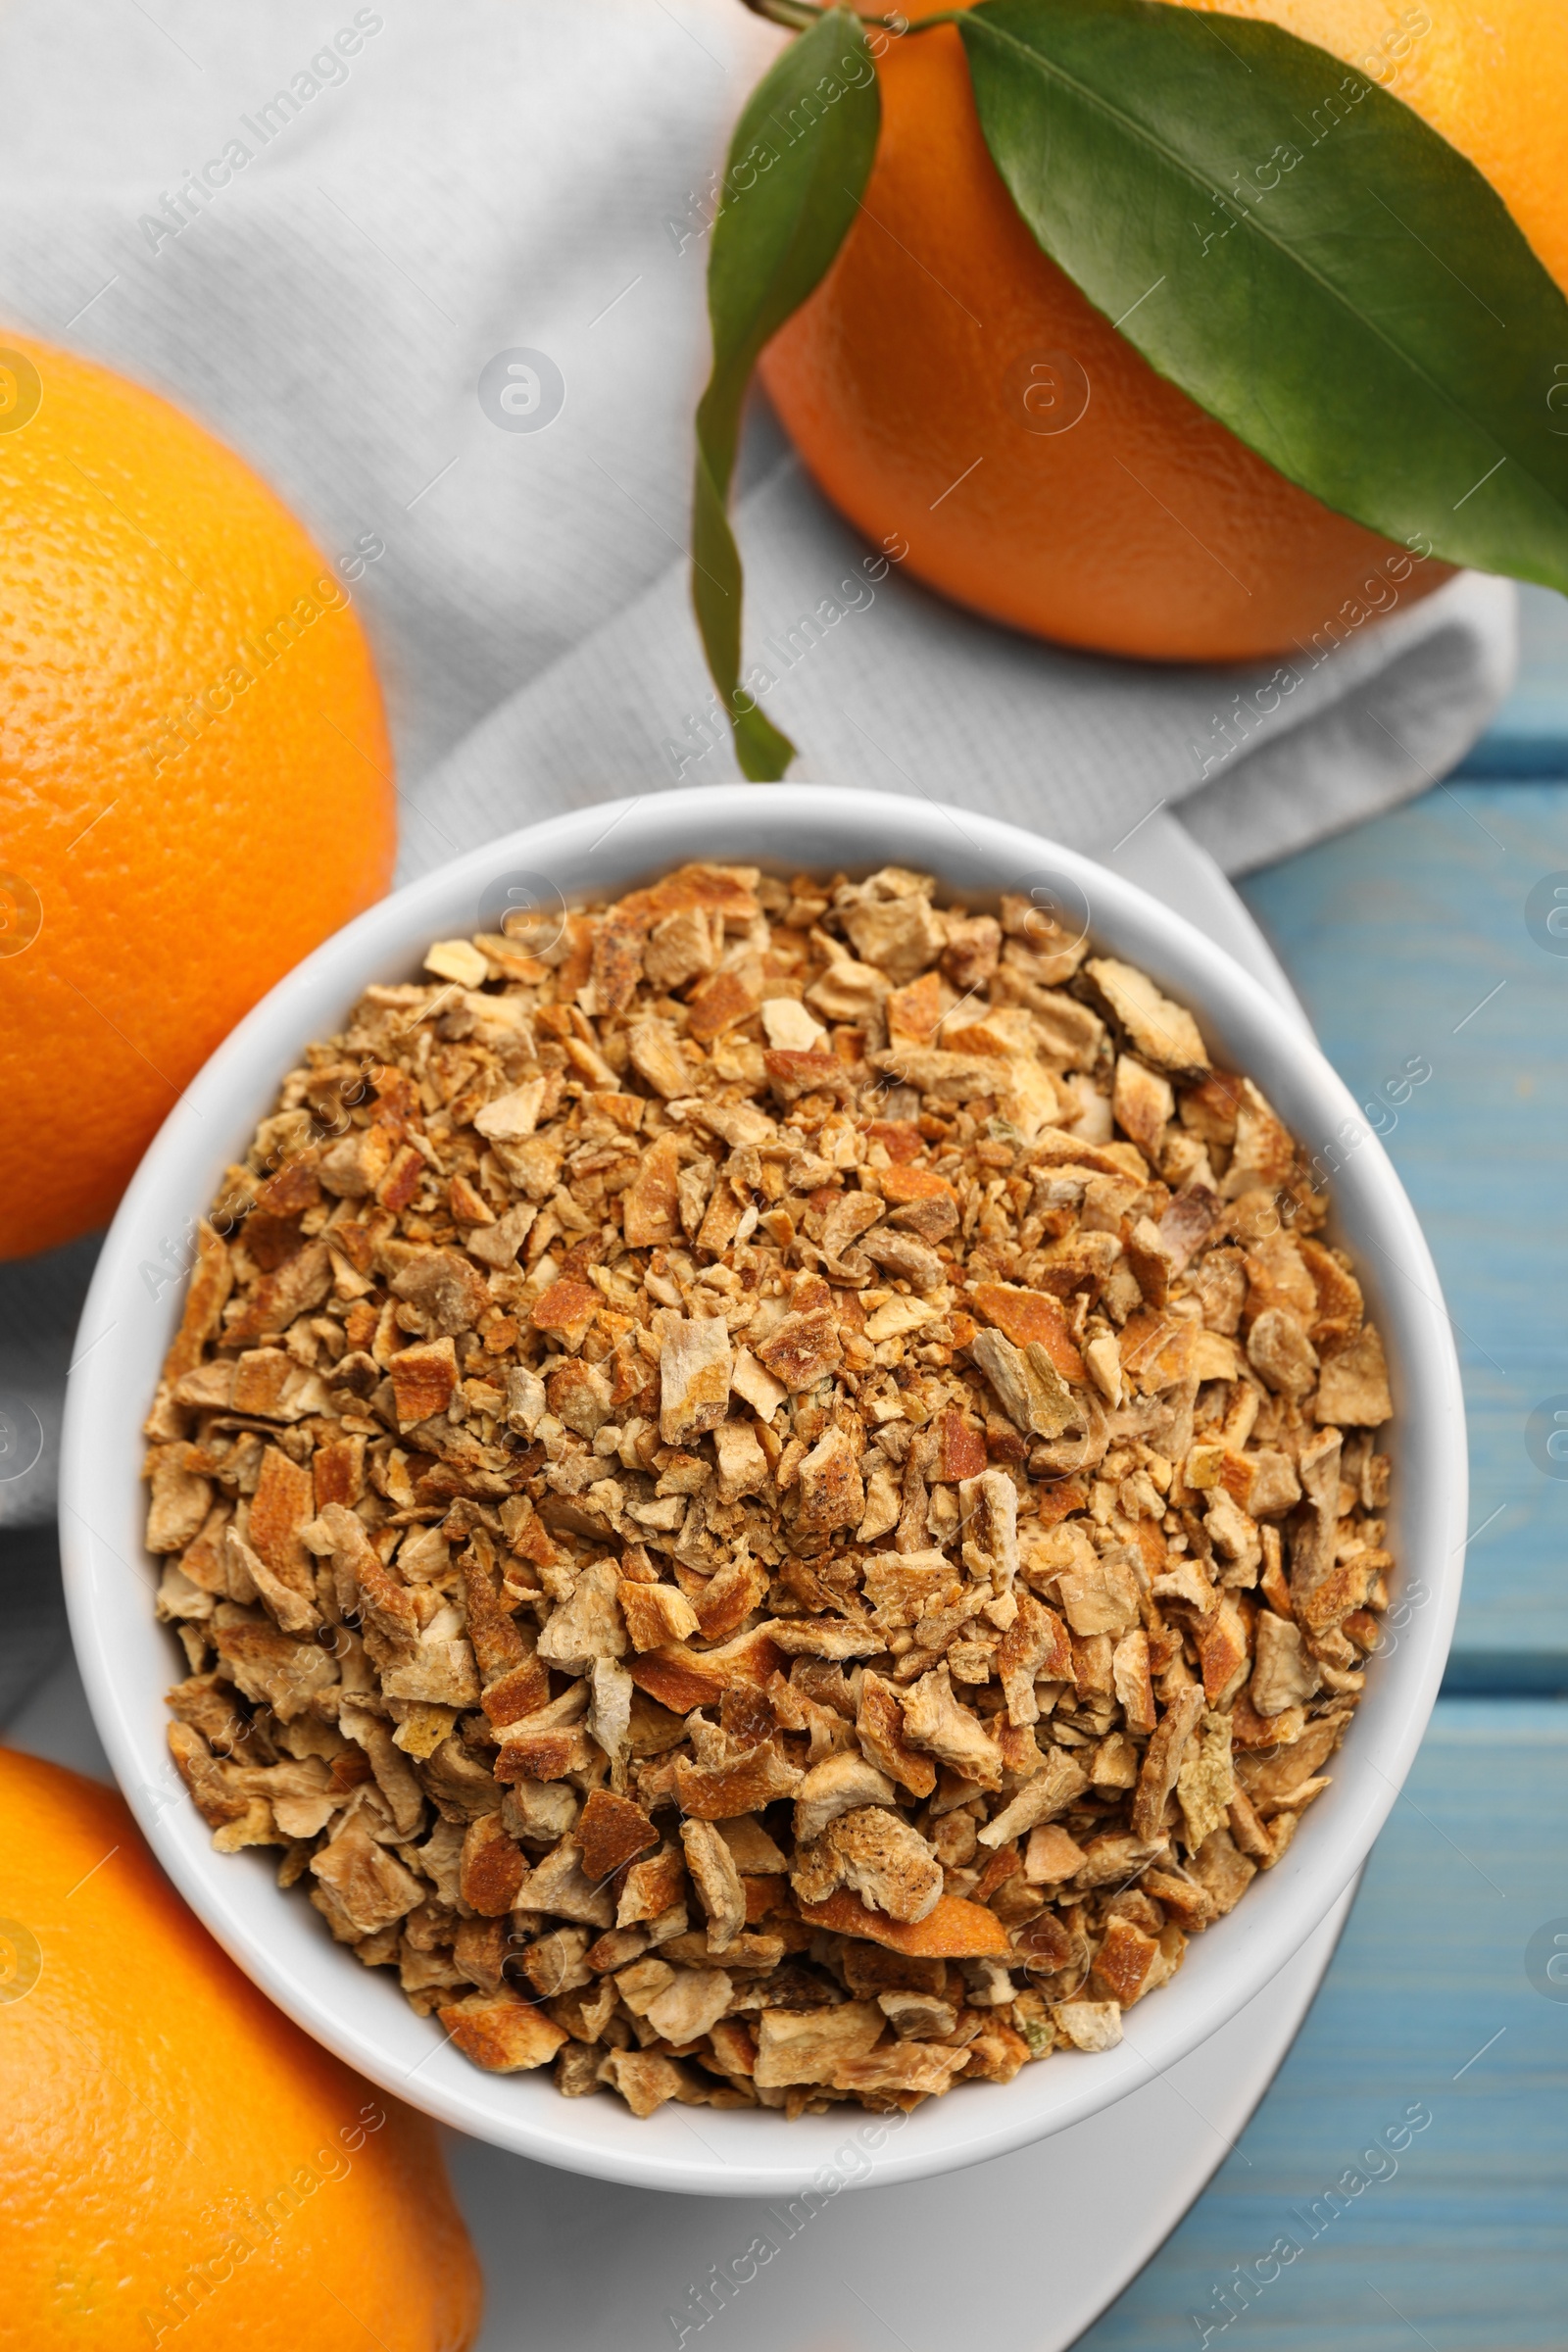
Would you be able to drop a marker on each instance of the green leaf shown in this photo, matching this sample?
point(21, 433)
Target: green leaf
point(796, 165)
point(1302, 254)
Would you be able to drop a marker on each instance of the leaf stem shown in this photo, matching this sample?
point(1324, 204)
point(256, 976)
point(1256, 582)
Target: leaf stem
point(795, 15)
point(798, 15)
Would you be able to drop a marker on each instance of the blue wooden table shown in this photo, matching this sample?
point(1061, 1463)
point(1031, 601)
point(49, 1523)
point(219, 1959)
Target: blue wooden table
point(1442, 2023)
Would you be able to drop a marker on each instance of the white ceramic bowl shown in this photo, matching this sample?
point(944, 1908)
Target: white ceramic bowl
point(127, 1661)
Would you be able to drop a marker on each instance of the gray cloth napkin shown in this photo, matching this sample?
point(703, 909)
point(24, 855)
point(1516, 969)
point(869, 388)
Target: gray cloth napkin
point(330, 232)
point(883, 685)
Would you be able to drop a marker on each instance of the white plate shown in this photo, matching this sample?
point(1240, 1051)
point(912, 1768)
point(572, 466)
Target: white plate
point(125, 1658)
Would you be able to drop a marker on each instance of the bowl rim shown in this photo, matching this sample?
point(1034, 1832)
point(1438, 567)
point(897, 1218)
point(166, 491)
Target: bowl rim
point(783, 827)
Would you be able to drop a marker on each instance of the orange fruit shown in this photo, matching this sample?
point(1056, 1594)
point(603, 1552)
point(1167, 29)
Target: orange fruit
point(182, 2165)
point(195, 778)
point(1144, 528)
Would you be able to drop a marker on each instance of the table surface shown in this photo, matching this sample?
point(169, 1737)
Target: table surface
point(1409, 943)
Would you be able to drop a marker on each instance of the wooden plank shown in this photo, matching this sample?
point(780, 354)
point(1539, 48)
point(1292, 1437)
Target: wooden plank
point(1427, 2007)
point(1408, 939)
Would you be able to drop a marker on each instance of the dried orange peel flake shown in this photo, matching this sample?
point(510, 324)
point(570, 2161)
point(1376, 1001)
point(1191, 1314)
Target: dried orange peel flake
point(955, 1930)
